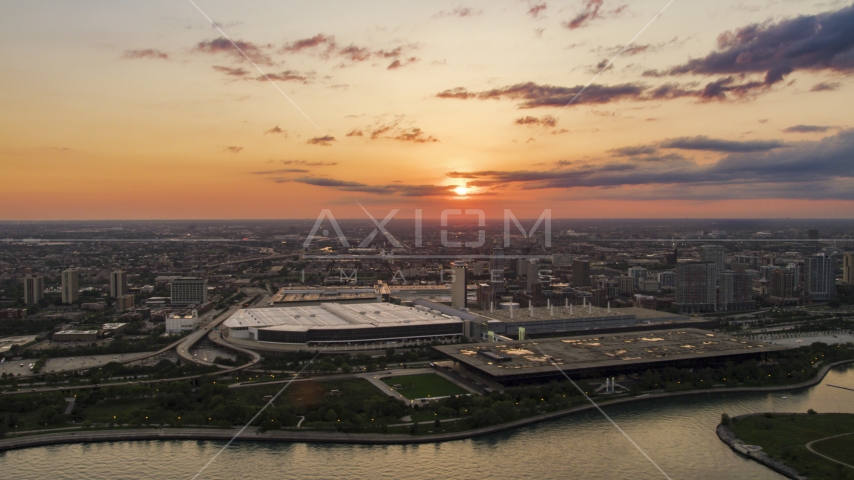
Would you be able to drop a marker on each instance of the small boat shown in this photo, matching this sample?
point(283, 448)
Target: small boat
point(784, 397)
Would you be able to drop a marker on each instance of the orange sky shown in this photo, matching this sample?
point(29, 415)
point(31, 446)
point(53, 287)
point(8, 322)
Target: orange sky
point(142, 111)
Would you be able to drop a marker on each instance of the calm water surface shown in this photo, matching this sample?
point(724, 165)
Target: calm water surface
point(679, 434)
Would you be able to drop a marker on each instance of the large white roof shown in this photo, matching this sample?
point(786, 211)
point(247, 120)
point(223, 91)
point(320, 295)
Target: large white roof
point(336, 316)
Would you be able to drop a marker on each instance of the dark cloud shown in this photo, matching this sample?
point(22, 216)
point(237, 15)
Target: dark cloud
point(234, 72)
point(825, 86)
point(634, 151)
point(390, 189)
point(778, 173)
point(393, 131)
point(545, 121)
point(310, 43)
point(702, 142)
point(286, 76)
point(458, 92)
point(324, 141)
point(224, 46)
point(414, 135)
point(533, 95)
point(535, 10)
point(808, 42)
point(807, 129)
point(355, 54)
point(276, 129)
point(329, 49)
point(398, 64)
point(232, 149)
point(592, 11)
point(146, 53)
point(381, 130)
point(308, 163)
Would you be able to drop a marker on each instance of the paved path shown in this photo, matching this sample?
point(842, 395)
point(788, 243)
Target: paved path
point(809, 447)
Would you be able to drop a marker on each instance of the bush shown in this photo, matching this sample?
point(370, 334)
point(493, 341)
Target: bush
point(811, 412)
point(725, 420)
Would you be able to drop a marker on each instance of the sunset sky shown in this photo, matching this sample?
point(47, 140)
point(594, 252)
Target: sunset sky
point(145, 110)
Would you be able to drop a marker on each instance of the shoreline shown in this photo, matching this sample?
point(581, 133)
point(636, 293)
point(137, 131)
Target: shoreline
point(290, 436)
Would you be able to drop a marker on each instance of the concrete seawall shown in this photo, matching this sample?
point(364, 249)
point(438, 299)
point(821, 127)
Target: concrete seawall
point(251, 434)
point(728, 437)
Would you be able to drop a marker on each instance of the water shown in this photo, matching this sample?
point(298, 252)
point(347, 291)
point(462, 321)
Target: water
point(678, 434)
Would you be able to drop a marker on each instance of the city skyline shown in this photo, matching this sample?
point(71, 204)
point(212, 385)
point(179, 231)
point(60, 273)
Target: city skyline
point(728, 110)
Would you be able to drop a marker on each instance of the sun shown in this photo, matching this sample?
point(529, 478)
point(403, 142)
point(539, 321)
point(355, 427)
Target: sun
point(462, 190)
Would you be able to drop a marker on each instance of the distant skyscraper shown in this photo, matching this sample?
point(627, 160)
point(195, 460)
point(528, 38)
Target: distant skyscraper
point(70, 286)
point(820, 277)
point(33, 289)
point(458, 287)
point(532, 277)
point(736, 291)
point(580, 273)
point(695, 287)
point(715, 254)
point(118, 284)
point(848, 268)
point(189, 291)
point(496, 270)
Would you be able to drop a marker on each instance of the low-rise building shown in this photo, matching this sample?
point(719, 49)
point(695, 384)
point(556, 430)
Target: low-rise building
point(75, 336)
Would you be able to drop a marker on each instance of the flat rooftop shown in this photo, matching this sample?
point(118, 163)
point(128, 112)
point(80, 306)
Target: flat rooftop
point(603, 351)
point(299, 295)
point(337, 316)
point(576, 312)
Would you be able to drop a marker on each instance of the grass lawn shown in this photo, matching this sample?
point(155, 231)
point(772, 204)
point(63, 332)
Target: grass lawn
point(423, 386)
point(839, 448)
point(784, 437)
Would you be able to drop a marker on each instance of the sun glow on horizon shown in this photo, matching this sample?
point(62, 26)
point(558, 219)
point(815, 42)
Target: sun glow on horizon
point(461, 190)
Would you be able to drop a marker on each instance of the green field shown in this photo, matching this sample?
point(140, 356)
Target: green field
point(839, 448)
point(784, 436)
point(423, 386)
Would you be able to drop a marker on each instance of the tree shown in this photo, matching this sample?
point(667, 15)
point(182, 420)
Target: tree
point(331, 415)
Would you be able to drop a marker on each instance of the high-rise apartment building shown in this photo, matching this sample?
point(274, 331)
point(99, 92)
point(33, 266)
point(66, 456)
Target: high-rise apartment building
point(189, 291)
point(783, 283)
point(667, 279)
point(458, 286)
point(848, 268)
point(695, 287)
point(125, 302)
point(638, 273)
point(118, 283)
point(736, 291)
point(820, 277)
point(33, 289)
point(580, 273)
point(70, 286)
point(626, 285)
point(715, 254)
